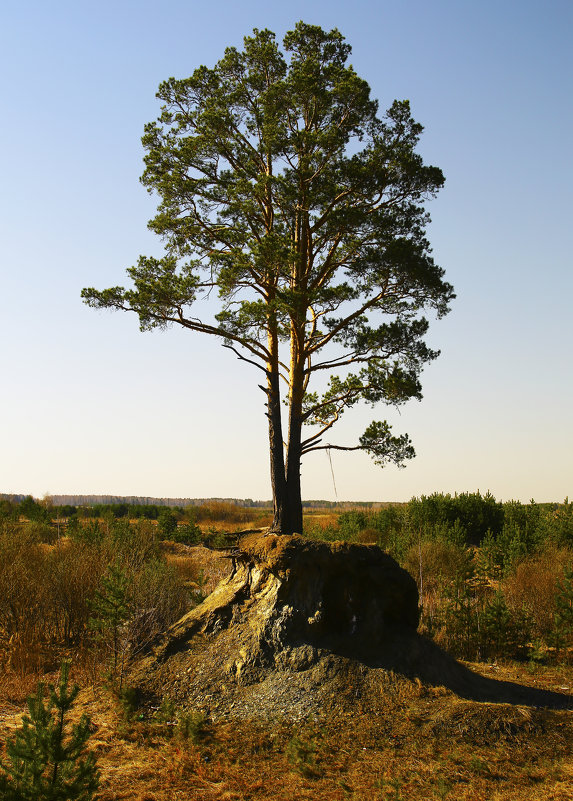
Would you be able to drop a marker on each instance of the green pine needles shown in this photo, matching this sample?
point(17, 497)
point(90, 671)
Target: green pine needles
point(47, 760)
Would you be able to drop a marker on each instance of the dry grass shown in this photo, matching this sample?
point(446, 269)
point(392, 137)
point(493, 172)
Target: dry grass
point(430, 745)
point(192, 561)
point(217, 516)
point(228, 517)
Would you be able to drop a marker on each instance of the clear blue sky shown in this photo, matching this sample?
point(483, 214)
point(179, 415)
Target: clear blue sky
point(90, 405)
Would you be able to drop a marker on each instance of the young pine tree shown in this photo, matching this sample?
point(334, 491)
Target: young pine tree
point(503, 633)
point(111, 609)
point(47, 760)
point(562, 635)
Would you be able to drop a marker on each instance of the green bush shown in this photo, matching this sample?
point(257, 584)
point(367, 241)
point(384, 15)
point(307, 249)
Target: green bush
point(474, 513)
point(302, 753)
point(167, 524)
point(188, 533)
point(33, 510)
point(111, 609)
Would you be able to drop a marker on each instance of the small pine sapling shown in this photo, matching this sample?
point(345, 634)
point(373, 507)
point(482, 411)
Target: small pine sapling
point(111, 609)
point(47, 760)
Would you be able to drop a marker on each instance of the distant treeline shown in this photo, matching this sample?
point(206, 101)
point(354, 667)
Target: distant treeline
point(136, 500)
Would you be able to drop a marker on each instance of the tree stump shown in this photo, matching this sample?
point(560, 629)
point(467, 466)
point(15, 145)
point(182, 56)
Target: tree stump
point(292, 615)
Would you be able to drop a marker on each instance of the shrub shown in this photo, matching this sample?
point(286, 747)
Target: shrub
point(301, 752)
point(9, 511)
point(458, 620)
point(133, 544)
point(33, 510)
point(192, 727)
point(436, 564)
point(351, 523)
point(223, 511)
point(188, 533)
point(90, 533)
point(72, 573)
point(158, 598)
point(533, 585)
point(557, 525)
point(320, 532)
point(474, 513)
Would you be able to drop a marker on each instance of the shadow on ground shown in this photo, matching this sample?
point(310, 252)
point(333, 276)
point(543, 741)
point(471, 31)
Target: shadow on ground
point(416, 657)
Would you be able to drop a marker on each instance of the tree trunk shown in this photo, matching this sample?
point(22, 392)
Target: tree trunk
point(287, 497)
point(285, 479)
point(280, 524)
point(278, 478)
point(296, 395)
point(285, 476)
point(294, 453)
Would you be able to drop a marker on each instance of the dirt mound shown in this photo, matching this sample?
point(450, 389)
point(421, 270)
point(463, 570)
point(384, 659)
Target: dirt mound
point(488, 724)
point(301, 629)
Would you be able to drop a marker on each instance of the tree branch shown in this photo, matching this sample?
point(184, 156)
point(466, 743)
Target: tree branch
point(334, 448)
point(244, 359)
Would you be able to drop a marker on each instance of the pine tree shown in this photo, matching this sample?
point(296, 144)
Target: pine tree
point(46, 757)
point(503, 632)
point(111, 609)
point(562, 634)
point(285, 194)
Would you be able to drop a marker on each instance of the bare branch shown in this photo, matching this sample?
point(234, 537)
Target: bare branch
point(334, 448)
point(323, 430)
point(196, 325)
point(244, 359)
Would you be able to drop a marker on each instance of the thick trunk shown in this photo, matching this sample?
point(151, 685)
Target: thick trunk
point(278, 478)
point(285, 482)
point(294, 451)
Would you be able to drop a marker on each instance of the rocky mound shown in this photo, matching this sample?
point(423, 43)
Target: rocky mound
point(300, 629)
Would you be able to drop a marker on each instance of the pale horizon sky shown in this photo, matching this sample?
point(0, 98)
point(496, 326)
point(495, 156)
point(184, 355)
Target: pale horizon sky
point(92, 406)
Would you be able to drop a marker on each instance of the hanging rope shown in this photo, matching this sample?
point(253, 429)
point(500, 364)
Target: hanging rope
point(332, 471)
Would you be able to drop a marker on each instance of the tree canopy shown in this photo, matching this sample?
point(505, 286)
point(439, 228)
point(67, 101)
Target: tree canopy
point(283, 191)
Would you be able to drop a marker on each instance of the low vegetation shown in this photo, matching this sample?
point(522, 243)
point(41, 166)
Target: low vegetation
point(496, 590)
point(495, 579)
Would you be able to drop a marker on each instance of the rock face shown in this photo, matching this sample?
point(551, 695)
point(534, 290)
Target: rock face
point(292, 614)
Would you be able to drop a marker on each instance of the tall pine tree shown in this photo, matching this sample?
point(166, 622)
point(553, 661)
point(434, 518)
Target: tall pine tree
point(283, 191)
